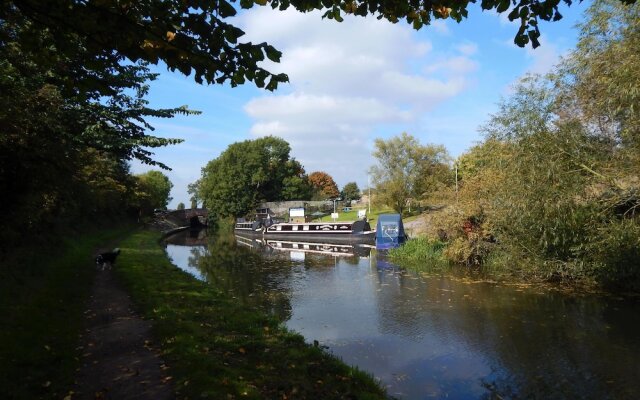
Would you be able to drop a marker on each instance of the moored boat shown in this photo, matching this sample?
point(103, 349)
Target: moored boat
point(348, 231)
point(351, 231)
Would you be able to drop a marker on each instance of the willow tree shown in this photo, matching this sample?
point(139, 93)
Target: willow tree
point(568, 196)
point(601, 82)
point(406, 170)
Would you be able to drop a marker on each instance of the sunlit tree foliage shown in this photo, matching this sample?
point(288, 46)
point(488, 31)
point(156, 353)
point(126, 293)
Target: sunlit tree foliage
point(250, 172)
point(405, 170)
point(556, 181)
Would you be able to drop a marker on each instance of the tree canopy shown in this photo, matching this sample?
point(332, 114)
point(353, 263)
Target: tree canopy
point(198, 39)
point(350, 191)
point(68, 125)
point(250, 172)
point(153, 189)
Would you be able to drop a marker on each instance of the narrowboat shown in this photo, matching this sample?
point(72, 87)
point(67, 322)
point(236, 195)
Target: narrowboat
point(355, 231)
point(351, 232)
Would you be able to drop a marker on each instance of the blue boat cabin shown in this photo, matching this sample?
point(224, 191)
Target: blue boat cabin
point(389, 231)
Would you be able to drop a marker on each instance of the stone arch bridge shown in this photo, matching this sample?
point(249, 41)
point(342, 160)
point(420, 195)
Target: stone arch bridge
point(193, 217)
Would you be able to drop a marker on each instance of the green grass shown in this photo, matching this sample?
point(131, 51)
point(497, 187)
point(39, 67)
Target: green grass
point(218, 348)
point(421, 254)
point(353, 215)
point(43, 294)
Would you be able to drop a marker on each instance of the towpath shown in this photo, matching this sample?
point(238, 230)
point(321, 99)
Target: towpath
point(119, 359)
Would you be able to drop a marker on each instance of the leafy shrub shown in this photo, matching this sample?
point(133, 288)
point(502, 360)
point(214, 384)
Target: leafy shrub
point(421, 254)
point(616, 254)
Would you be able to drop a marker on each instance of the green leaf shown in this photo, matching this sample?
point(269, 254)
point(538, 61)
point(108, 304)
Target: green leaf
point(256, 53)
point(514, 14)
point(336, 14)
point(503, 6)
point(225, 9)
point(272, 54)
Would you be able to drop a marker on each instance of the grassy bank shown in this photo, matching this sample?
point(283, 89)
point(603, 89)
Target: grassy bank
point(43, 293)
point(352, 215)
point(217, 348)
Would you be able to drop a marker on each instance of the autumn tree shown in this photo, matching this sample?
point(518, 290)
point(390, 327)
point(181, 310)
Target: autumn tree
point(323, 186)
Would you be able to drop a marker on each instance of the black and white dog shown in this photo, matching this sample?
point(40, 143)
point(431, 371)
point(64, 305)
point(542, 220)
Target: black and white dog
point(106, 260)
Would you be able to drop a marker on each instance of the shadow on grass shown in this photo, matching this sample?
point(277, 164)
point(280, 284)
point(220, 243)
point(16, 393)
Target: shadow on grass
point(43, 294)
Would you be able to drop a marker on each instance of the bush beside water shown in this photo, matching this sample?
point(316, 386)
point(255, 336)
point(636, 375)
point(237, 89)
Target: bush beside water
point(421, 254)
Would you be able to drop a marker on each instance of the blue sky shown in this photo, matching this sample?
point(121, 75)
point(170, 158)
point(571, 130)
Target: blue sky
point(352, 82)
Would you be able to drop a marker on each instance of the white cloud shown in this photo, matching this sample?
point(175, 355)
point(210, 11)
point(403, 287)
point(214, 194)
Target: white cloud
point(346, 80)
point(453, 66)
point(440, 26)
point(543, 58)
point(467, 49)
point(321, 109)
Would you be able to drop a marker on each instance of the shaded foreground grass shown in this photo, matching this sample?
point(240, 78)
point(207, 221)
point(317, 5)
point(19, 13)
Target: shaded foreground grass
point(43, 293)
point(218, 348)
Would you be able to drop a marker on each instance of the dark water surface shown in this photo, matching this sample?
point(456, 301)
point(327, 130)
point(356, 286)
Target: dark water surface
point(430, 337)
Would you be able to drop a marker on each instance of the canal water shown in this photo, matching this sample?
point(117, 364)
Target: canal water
point(429, 337)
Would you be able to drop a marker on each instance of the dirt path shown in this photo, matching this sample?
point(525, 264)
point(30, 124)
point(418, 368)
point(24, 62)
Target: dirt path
point(118, 361)
point(416, 227)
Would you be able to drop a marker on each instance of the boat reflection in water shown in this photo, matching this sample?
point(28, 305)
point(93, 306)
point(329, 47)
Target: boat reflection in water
point(298, 250)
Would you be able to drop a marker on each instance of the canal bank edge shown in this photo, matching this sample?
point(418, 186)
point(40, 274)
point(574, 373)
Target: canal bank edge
point(217, 348)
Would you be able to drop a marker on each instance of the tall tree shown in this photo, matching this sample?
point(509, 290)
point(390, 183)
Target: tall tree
point(406, 169)
point(295, 183)
point(193, 190)
point(153, 189)
point(59, 113)
point(602, 97)
point(323, 185)
point(247, 173)
point(350, 191)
